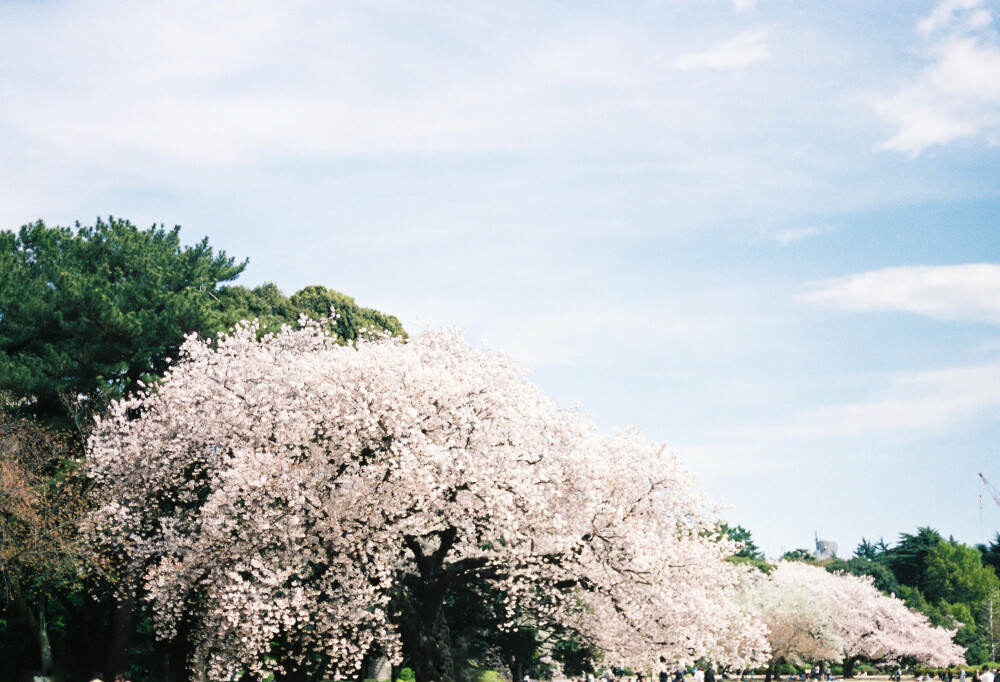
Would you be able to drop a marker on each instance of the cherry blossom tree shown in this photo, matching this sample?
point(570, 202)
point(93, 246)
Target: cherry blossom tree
point(292, 505)
point(813, 615)
point(877, 627)
point(801, 614)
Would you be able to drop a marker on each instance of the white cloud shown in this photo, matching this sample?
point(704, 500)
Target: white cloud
point(944, 15)
point(968, 292)
point(958, 94)
point(745, 49)
point(744, 5)
point(187, 86)
point(910, 405)
point(791, 235)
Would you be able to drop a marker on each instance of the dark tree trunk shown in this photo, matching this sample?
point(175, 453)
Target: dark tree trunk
point(515, 669)
point(37, 623)
point(423, 627)
point(773, 671)
point(121, 635)
point(427, 642)
point(44, 645)
point(165, 673)
point(849, 666)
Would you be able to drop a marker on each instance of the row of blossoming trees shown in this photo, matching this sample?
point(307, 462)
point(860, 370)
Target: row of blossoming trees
point(291, 505)
point(814, 615)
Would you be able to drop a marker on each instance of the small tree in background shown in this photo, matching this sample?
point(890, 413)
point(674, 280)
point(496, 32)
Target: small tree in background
point(40, 502)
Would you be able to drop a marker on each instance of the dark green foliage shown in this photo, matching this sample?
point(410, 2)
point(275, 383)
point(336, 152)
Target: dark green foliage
point(872, 551)
point(797, 555)
point(87, 313)
point(885, 581)
point(742, 535)
point(991, 553)
point(272, 309)
point(476, 613)
point(908, 559)
point(576, 657)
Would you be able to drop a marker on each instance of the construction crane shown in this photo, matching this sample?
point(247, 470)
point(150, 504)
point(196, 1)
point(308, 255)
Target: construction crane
point(993, 491)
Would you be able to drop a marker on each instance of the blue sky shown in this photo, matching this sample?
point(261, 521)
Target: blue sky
point(764, 232)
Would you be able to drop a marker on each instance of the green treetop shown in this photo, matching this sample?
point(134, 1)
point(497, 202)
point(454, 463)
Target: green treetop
point(271, 309)
point(742, 535)
point(955, 573)
point(798, 555)
point(908, 559)
point(87, 313)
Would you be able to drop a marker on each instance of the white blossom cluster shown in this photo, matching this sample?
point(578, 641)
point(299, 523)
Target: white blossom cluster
point(812, 614)
point(269, 494)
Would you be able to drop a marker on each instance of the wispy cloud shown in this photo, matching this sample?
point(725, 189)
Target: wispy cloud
point(908, 405)
point(944, 16)
point(947, 292)
point(957, 95)
point(745, 49)
point(792, 235)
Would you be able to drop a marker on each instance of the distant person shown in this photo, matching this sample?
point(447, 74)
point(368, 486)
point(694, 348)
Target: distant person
point(986, 675)
point(699, 675)
point(709, 674)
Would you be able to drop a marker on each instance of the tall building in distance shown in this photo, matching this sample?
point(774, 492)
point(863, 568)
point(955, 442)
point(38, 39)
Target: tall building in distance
point(825, 549)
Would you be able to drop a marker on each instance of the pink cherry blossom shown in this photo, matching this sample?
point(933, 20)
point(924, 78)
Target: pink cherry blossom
point(277, 490)
point(812, 614)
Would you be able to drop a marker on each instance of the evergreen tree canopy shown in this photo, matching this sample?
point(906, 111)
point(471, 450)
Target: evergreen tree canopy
point(871, 551)
point(884, 578)
point(991, 553)
point(742, 535)
point(908, 559)
point(271, 309)
point(87, 313)
point(798, 555)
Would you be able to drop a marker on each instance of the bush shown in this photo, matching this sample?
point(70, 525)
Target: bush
point(486, 676)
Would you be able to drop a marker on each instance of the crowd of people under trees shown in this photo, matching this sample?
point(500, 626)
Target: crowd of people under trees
point(817, 673)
